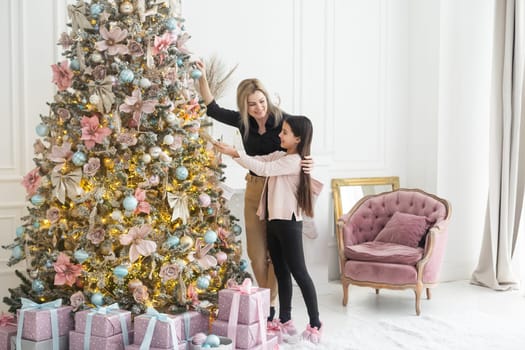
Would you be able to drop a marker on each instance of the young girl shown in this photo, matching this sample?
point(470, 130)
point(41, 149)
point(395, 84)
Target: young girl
point(287, 195)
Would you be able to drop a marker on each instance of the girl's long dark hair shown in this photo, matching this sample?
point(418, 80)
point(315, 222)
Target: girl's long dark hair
point(302, 128)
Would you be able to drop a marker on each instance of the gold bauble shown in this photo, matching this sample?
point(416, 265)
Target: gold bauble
point(109, 163)
point(186, 242)
point(126, 8)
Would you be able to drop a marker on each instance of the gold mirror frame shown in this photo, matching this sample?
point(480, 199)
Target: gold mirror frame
point(369, 185)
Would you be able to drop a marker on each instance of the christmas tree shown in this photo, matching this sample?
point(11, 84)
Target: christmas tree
point(126, 199)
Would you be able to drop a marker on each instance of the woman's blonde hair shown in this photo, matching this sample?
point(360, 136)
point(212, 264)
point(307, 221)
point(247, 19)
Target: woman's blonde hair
point(245, 89)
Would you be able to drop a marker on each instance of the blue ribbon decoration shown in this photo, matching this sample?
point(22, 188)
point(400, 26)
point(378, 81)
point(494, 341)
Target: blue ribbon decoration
point(27, 305)
point(187, 322)
point(154, 317)
point(113, 308)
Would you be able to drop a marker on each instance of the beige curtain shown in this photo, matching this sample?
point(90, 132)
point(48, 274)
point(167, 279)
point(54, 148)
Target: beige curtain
point(507, 149)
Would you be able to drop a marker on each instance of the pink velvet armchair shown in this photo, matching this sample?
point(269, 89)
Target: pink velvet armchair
point(393, 240)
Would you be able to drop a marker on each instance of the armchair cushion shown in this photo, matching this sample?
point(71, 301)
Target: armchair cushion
point(384, 252)
point(405, 229)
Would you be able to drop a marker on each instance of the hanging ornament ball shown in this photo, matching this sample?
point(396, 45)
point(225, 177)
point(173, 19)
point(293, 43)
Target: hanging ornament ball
point(130, 203)
point(81, 255)
point(126, 8)
point(96, 57)
point(116, 215)
point(181, 173)
point(96, 9)
point(20, 231)
point(155, 151)
point(134, 284)
point(97, 299)
point(42, 130)
point(146, 158)
point(172, 241)
point(194, 136)
point(203, 282)
point(243, 264)
point(196, 74)
point(74, 65)
point(204, 200)
point(38, 200)
point(171, 118)
point(94, 99)
point(199, 338)
point(126, 76)
point(120, 271)
point(171, 23)
point(237, 230)
point(180, 62)
point(168, 139)
point(213, 341)
point(17, 252)
point(145, 83)
point(186, 242)
point(79, 158)
point(210, 236)
point(37, 286)
point(36, 224)
point(209, 211)
point(221, 257)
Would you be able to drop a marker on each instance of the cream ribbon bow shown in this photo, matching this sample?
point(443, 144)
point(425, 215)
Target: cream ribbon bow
point(66, 183)
point(179, 203)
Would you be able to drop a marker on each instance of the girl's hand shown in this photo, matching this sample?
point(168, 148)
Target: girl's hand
point(226, 149)
point(307, 164)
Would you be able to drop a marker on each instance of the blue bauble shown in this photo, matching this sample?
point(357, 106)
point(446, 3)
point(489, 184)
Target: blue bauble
point(97, 299)
point(49, 264)
point(212, 340)
point(38, 286)
point(42, 130)
point(181, 173)
point(180, 62)
point(172, 241)
point(126, 76)
point(79, 158)
point(120, 271)
point(243, 264)
point(206, 346)
point(36, 224)
point(81, 255)
point(20, 231)
point(210, 236)
point(17, 252)
point(171, 23)
point(96, 9)
point(196, 74)
point(130, 203)
point(203, 282)
point(74, 65)
point(209, 210)
point(38, 200)
point(237, 230)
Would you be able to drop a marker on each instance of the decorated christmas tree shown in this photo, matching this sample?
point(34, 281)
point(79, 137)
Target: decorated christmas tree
point(126, 202)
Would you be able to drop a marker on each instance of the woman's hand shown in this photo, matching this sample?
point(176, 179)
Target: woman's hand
point(307, 164)
point(226, 149)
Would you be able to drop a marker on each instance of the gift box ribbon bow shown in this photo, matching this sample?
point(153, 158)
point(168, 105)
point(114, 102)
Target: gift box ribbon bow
point(52, 306)
point(7, 320)
point(154, 317)
point(105, 310)
point(246, 287)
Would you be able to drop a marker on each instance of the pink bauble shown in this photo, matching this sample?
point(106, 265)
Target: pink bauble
point(198, 339)
point(221, 257)
point(204, 200)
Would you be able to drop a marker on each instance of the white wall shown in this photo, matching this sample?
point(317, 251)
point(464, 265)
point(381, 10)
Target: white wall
point(394, 87)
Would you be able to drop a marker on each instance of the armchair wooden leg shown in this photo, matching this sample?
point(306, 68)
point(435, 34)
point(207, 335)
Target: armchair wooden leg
point(345, 292)
point(377, 290)
point(428, 294)
point(418, 290)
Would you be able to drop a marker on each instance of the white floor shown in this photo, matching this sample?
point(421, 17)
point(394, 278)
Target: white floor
point(459, 316)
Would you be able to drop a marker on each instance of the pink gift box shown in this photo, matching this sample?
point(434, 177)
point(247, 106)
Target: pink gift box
point(102, 325)
point(6, 332)
point(63, 344)
point(271, 344)
point(37, 323)
point(247, 305)
point(161, 335)
point(181, 346)
point(198, 322)
point(114, 342)
point(246, 336)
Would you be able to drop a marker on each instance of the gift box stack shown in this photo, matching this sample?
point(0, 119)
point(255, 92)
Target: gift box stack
point(191, 323)
point(36, 323)
point(157, 331)
point(7, 330)
point(101, 328)
point(242, 316)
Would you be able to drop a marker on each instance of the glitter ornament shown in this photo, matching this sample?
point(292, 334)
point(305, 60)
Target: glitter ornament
point(126, 8)
point(144, 83)
point(204, 200)
point(146, 158)
point(181, 173)
point(79, 158)
point(96, 9)
point(37, 286)
point(116, 215)
point(210, 236)
point(120, 271)
point(243, 264)
point(17, 252)
point(81, 255)
point(221, 257)
point(74, 65)
point(237, 230)
point(155, 151)
point(38, 200)
point(203, 282)
point(126, 76)
point(97, 299)
point(186, 242)
point(94, 99)
point(172, 241)
point(171, 23)
point(96, 57)
point(171, 118)
point(130, 203)
point(168, 139)
point(42, 130)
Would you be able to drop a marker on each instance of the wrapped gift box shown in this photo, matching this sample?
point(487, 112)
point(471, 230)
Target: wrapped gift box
point(37, 323)
point(103, 325)
point(196, 321)
point(246, 335)
point(63, 344)
point(114, 342)
point(6, 332)
point(247, 305)
point(180, 346)
point(161, 335)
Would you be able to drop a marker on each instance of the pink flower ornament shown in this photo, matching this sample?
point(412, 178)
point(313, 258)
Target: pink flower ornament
point(32, 181)
point(136, 106)
point(201, 255)
point(66, 272)
point(92, 132)
point(111, 41)
point(138, 245)
point(62, 75)
point(142, 206)
point(162, 43)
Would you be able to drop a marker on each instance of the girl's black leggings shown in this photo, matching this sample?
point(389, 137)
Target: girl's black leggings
point(285, 244)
